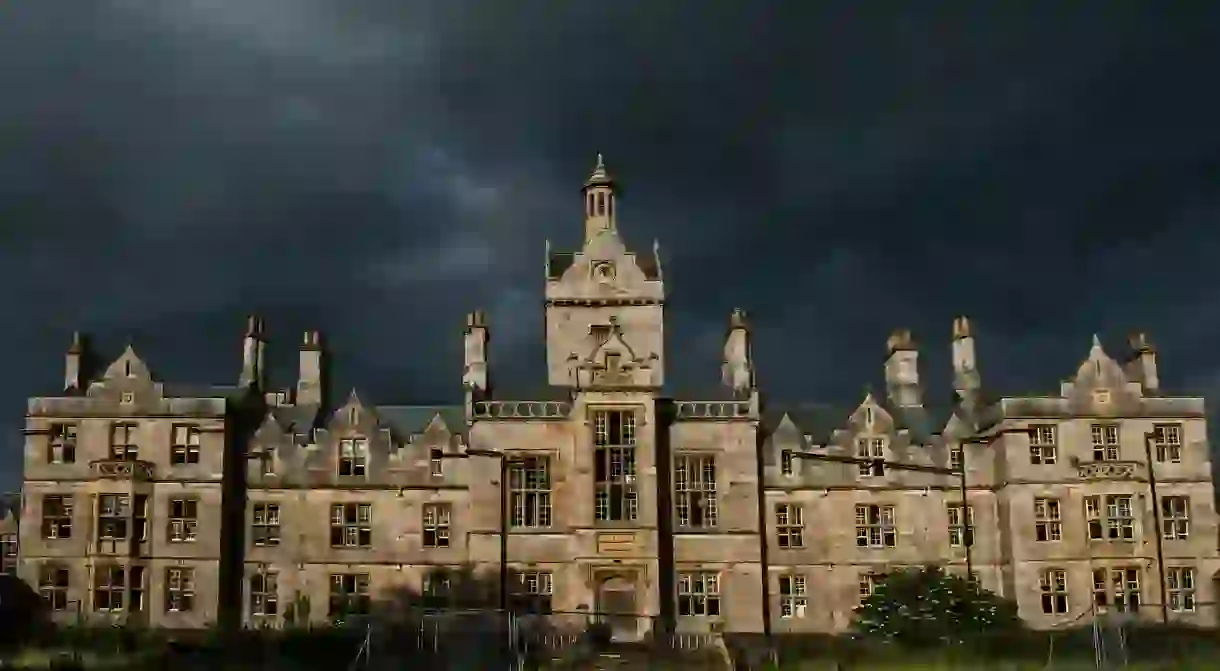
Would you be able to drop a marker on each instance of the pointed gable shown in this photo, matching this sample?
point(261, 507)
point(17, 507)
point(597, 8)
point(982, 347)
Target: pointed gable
point(130, 366)
point(1100, 382)
point(352, 414)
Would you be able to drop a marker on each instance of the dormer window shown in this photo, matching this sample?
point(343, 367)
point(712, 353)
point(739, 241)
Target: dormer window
point(436, 463)
point(612, 361)
point(1101, 396)
point(869, 448)
point(353, 457)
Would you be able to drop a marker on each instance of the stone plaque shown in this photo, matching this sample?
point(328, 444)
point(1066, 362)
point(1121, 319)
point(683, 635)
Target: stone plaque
point(615, 543)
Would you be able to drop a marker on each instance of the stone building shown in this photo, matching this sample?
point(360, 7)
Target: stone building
point(189, 506)
point(10, 509)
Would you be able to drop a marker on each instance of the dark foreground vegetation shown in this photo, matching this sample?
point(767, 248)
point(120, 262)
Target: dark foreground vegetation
point(916, 619)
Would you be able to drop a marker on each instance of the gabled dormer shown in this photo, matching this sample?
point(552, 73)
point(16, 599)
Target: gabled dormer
point(869, 432)
point(424, 451)
point(1100, 386)
point(128, 382)
point(271, 451)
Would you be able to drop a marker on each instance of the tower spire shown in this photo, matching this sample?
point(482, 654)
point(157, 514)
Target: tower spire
point(599, 192)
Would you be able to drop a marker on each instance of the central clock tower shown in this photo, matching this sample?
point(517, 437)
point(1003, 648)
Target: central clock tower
point(604, 304)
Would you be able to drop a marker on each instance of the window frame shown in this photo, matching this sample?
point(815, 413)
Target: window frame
point(436, 525)
point(57, 526)
point(1053, 586)
point(530, 492)
point(1104, 521)
point(959, 530)
point(353, 458)
point(789, 525)
point(1106, 579)
point(124, 445)
point(615, 452)
point(264, 596)
point(182, 520)
point(1044, 445)
point(695, 495)
point(1175, 518)
point(870, 447)
point(793, 596)
point(533, 593)
point(265, 524)
point(62, 440)
point(179, 589)
point(878, 527)
point(113, 517)
point(9, 551)
point(1181, 583)
point(349, 595)
point(1048, 519)
point(1165, 450)
point(185, 449)
point(699, 594)
point(1107, 441)
point(54, 585)
point(361, 529)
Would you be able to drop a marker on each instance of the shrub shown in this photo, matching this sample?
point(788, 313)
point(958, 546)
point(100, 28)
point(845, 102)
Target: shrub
point(927, 607)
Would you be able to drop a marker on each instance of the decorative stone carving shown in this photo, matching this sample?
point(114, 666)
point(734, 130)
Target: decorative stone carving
point(713, 410)
point(122, 469)
point(522, 410)
point(1108, 470)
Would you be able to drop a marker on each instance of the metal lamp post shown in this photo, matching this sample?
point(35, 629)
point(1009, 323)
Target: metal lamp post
point(1156, 518)
point(878, 466)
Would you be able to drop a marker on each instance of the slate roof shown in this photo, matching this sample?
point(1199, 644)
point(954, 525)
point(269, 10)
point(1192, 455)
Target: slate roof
point(10, 504)
point(558, 264)
point(819, 421)
point(407, 420)
point(179, 390)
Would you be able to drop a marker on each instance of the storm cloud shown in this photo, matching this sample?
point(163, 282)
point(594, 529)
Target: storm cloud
point(376, 168)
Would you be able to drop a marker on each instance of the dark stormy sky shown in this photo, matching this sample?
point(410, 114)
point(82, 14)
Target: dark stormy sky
point(376, 168)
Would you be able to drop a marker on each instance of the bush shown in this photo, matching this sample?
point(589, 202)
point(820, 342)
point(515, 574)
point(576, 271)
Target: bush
point(929, 607)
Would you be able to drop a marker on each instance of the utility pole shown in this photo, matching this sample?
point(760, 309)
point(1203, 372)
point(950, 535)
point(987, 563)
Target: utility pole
point(877, 467)
point(1156, 518)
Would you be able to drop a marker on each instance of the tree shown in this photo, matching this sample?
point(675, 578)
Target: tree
point(927, 606)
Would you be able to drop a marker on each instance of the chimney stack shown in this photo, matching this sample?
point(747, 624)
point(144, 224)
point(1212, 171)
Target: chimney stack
point(1142, 363)
point(966, 379)
point(312, 378)
point(77, 362)
point(253, 354)
point(737, 373)
point(902, 370)
point(475, 339)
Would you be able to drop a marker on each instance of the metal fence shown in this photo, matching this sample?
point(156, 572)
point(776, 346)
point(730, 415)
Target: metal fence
point(493, 639)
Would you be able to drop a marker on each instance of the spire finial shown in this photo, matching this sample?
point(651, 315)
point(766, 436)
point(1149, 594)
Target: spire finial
point(600, 176)
point(1096, 341)
point(737, 319)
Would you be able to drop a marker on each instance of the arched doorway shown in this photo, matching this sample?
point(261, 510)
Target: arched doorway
point(616, 607)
